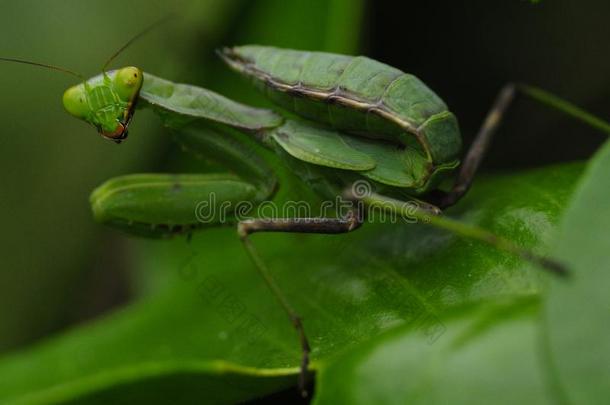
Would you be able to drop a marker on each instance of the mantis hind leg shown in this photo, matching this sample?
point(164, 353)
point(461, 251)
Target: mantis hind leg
point(481, 143)
point(346, 224)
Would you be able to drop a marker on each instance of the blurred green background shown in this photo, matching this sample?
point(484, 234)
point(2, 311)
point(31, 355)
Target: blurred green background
point(59, 268)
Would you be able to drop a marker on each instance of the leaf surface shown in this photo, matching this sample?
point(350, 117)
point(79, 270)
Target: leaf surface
point(578, 311)
point(214, 321)
point(486, 355)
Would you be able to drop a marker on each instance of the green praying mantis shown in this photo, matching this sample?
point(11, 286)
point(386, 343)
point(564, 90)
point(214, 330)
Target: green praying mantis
point(358, 122)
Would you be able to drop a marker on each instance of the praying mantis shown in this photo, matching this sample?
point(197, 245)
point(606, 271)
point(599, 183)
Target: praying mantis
point(358, 123)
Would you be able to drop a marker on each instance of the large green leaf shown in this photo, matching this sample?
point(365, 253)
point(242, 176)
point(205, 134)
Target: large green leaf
point(487, 358)
point(567, 363)
point(487, 355)
point(216, 326)
point(578, 312)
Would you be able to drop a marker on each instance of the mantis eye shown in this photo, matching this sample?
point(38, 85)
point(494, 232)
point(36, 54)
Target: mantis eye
point(75, 101)
point(128, 82)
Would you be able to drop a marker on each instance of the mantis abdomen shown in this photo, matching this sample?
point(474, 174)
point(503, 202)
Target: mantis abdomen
point(354, 94)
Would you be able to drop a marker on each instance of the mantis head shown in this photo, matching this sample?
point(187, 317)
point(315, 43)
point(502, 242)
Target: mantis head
point(106, 101)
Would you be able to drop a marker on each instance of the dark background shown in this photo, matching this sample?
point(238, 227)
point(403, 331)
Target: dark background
point(466, 50)
point(59, 268)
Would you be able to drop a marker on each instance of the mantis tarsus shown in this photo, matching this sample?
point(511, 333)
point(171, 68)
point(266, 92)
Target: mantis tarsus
point(366, 121)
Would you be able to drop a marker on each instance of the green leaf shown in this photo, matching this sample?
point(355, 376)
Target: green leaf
point(486, 355)
point(578, 311)
point(215, 314)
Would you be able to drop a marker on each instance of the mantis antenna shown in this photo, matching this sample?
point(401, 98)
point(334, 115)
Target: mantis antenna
point(136, 37)
point(44, 65)
point(117, 53)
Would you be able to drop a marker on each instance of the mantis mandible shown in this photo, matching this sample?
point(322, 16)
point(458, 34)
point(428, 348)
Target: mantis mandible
point(362, 120)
